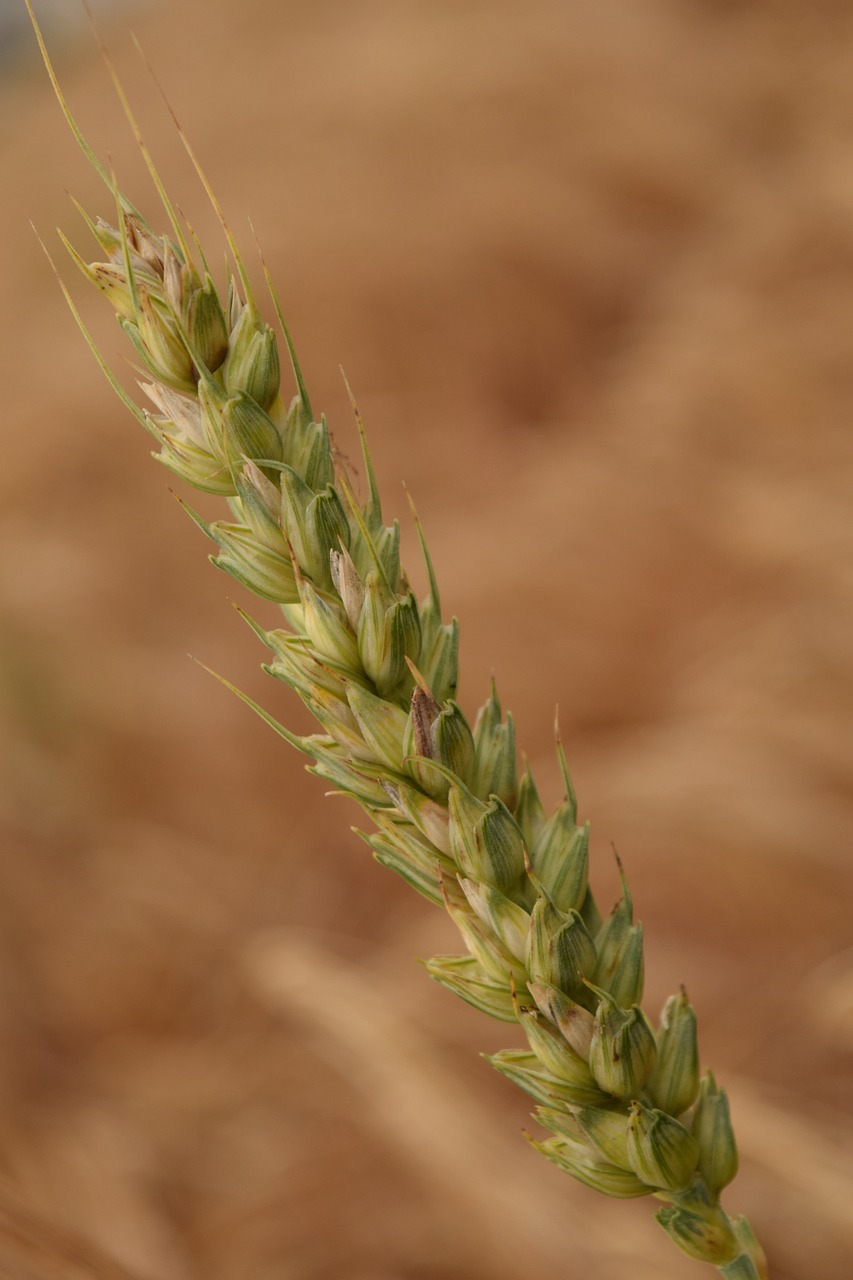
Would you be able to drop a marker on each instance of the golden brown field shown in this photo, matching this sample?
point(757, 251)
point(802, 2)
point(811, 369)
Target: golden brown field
point(590, 271)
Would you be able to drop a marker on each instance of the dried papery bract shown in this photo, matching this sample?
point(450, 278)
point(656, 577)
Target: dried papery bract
point(378, 670)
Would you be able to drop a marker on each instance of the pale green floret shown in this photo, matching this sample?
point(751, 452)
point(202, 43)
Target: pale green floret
point(157, 338)
point(530, 814)
point(559, 857)
point(607, 1129)
point(712, 1126)
point(389, 633)
point(430, 818)
point(326, 527)
point(576, 1159)
point(675, 1081)
point(494, 770)
point(572, 955)
point(263, 571)
point(622, 1053)
point(307, 449)
point(252, 363)
point(547, 1089)
point(705, 1236)
point(439, 661)
point(451, 742)
point(561, 1122)
point(205, 323)
point(575, 1023)
point(197, 466)
point(382, 725)
point(324, 622)
point(500, 846)
point(295, 498)
point(494, 958)
point(660, 1150)
point(463, 975)
point(347, 583)
point(112, 282)
point(486, 841)
point(505, 918)
point(554, 1052)
point(616, 937)
point(560, 951)
point(626, 981)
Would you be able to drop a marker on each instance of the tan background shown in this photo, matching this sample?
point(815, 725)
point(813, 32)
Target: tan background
point(590, 270)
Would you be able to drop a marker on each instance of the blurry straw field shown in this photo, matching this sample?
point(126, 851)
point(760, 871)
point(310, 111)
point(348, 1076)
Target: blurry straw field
point(590, 272)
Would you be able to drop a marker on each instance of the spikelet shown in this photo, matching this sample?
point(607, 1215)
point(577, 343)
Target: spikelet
point(379, 671)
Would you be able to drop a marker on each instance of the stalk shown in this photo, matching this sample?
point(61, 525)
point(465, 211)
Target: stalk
point(449, 809)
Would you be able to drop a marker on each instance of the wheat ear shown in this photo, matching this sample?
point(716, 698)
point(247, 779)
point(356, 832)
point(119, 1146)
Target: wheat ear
point(624, 1102)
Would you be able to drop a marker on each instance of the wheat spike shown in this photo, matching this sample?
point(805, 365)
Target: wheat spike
point(450, 812)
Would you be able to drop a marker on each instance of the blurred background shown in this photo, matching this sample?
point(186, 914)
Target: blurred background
point(589, 269)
